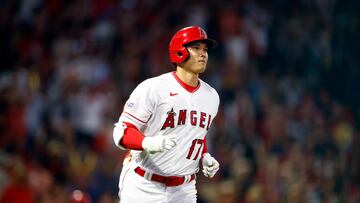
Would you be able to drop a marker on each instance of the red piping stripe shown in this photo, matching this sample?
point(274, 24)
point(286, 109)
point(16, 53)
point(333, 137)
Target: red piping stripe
point(122, 181)
point(134, 117)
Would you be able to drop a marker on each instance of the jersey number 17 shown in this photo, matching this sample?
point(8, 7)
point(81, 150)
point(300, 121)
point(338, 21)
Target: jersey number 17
point(195, 143)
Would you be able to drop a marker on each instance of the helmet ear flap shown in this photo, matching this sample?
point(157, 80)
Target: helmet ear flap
point(181, 55)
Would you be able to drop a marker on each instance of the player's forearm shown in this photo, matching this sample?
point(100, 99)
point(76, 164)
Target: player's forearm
point(132, 138)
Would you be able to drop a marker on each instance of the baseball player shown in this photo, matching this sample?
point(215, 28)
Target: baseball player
point(164, 124)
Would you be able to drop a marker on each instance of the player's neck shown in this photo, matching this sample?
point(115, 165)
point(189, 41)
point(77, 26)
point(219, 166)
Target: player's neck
point(187, 77)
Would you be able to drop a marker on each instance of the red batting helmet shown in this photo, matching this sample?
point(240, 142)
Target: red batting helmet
point(177, 50)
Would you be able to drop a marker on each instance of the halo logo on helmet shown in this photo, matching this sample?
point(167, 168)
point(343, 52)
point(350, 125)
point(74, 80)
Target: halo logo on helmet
point(177, 50)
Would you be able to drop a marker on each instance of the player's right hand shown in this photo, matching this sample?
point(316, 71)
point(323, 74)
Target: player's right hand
point(160, 143)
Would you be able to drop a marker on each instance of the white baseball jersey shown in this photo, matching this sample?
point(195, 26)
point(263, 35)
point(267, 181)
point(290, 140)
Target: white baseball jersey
point(162, 106)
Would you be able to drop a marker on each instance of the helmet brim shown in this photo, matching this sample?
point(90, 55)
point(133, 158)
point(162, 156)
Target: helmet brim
point(210, 43)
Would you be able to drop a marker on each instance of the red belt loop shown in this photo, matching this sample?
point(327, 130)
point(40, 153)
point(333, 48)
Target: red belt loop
point(167, 180)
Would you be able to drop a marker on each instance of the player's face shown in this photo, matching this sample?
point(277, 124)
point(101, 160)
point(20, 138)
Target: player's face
point(198, 57)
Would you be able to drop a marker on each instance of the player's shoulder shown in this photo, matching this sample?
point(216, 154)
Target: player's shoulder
point(210, 92)
point(208, 88)
point(163, 77)
point(155, 82)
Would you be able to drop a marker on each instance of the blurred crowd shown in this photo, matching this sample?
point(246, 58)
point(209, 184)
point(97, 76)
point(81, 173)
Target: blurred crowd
point(287, 73)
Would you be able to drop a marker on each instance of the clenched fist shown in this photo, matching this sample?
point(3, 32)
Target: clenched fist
point(158, 143)
point(210, 165)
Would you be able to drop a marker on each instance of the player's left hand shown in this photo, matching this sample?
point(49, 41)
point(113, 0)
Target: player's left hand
point(210, 165)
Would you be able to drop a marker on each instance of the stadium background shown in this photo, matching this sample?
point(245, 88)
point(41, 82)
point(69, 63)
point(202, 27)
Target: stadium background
point(287, 73)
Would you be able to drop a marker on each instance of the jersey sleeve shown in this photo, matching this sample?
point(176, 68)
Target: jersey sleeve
point(217, 100)
point(141, 104)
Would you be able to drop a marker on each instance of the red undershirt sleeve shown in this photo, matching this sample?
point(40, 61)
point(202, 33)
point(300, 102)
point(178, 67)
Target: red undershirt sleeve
point(132, 138)
point(205, 150)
